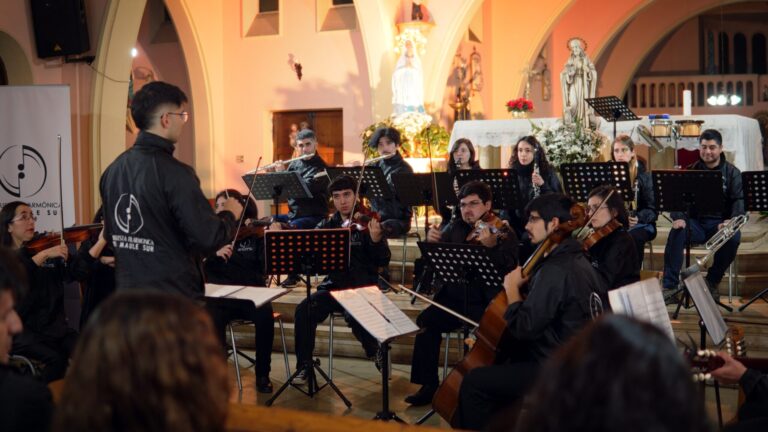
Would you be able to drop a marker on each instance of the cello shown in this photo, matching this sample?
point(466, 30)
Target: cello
point(492, 334)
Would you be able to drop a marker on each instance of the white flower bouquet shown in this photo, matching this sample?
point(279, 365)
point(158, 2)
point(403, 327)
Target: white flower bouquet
point(569, 142)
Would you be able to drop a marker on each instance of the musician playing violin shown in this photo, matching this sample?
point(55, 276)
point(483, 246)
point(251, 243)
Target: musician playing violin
point(556, 306)
point(369, 252)
point(47, 336)
point(475, 200)
point(611, 248)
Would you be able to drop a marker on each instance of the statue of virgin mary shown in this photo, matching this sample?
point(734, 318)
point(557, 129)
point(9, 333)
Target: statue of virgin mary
point(408, 82)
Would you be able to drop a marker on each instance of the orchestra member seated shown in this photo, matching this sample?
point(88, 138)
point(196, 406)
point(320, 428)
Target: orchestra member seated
point(643, 215)
point(560, 291)
point(618, 374)
point(753, 413)
point(395, 217)
point(243, 264)
point(610, 247)
point(146, 361)
point(475, 204)
point(704, 226)
point(535, 176)
point(25, 403)
point(47, 336)
point(306, 213)
point(461, 157)
point(369, 252)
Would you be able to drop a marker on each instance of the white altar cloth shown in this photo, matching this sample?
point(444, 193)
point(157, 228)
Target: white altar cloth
point(741, 135)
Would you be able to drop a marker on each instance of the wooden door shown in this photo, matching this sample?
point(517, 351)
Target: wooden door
point(327, 124)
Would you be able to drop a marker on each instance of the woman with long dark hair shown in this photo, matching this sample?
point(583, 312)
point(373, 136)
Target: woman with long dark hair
point(47, 336)
point(462, 156)
point(242, 263)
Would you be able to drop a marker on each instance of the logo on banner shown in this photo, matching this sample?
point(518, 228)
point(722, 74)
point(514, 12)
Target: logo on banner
point(128, 214)
point(30, 174)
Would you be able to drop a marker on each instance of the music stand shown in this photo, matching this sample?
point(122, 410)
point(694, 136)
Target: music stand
point(612, 109)
point(374, 183)
point(691, 192)
point(277, 186)
point(308, 252)
point(580, 178)
point(755, 187)
point(503, 183)
point(417, 190)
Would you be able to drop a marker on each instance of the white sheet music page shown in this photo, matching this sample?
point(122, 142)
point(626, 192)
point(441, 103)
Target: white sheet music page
point(258, 295)
point(384, 305)
point(642, 300)
point(371, 310)
point(216, 290)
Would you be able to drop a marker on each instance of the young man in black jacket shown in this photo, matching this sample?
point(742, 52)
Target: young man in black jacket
point(369, 252)
point(704, 226)
point(475, 200)
point(157, 219)
point(395, 217)
point(560, 291)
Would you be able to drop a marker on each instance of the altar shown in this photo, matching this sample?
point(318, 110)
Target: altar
point(741, 135)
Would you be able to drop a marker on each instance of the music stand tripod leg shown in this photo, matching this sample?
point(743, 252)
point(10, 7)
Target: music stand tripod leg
point(759, 296)
point(425, 417)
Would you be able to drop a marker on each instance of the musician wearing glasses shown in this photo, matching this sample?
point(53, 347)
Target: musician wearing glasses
point(705, 226)
point(642, 215)
point(610, 248)
point(157, 219)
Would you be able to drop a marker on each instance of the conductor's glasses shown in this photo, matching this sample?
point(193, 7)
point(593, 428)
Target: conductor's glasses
point(184, 115)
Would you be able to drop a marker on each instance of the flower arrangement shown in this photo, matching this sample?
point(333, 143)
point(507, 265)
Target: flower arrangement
point(569, 142)
point(519, 105)
point(416, 130)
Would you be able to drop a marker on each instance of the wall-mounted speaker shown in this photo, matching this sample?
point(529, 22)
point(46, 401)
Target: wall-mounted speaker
point(60, 27)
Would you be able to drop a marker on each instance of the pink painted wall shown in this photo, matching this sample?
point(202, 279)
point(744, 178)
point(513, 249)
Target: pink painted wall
point(677, 54)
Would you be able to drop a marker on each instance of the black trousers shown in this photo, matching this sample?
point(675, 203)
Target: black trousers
point(224, 312)
point(53, 352)
point(492, 390)
point(641, 236)
point(426, 349)
point(323, 304)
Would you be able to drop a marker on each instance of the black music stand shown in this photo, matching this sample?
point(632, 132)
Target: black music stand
point(503, 184)
point(755, 187)
point(580, 178)
point(277, 186)
point(374, 183)
point(612, 109)
point(417, 190)
point(691, 192)
point(308, 252)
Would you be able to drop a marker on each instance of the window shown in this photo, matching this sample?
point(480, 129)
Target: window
point(3, 73)
point(342, 2)
point(722, 55)
point(759, 65)
point(269, 6)
point(739, 53)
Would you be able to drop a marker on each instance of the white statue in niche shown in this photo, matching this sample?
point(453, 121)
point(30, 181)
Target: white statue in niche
point(408, 82)
point(579, 82)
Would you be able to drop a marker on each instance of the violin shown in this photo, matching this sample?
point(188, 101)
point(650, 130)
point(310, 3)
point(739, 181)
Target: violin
point(600, 233)
point(560, 233)
point(252, 230)
point(495, 224)
point(70, 235)
point(360, 218)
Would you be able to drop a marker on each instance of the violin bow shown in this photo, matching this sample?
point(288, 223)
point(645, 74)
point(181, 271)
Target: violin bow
point(61, 195)
point(245, 204)
point(593, 214)
point(357, 188)
point(435, 198)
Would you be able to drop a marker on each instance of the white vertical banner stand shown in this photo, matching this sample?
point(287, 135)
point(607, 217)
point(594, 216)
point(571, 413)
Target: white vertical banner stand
point(31, 117)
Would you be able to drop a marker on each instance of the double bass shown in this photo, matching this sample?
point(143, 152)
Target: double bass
point(492, 334)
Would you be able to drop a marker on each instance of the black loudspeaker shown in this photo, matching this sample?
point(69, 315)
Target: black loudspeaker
point(60, 27)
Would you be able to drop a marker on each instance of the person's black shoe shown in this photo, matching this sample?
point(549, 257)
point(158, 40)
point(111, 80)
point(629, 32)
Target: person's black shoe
point(290, 282)
point(671, 296)
point(383, 274)
point(263, 384)
point(423, 396)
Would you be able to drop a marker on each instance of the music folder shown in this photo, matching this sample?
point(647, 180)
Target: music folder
point(375, 312)
point(644, 301)
point(259, 296)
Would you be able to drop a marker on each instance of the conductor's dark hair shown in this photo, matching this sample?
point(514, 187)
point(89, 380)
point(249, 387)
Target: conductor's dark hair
point(599, 382)
point(551, 205)
point(13, 277)
point(389, 132)
point(711, 134)
point(342, 182)
point(6, 219)
point(251, 211)
point(482, 190)
point(615, 203)
point(306, 134)
point(147, 101)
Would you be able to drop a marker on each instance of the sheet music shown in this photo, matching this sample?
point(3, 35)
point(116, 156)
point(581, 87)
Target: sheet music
point(707, 308)
point(642, 300)
point(258, 295)
point(375, 312)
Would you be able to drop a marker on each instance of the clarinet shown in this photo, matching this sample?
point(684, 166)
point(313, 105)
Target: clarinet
point(536, 188)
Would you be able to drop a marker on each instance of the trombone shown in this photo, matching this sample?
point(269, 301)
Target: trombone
point(280, 162)
point(716, 242)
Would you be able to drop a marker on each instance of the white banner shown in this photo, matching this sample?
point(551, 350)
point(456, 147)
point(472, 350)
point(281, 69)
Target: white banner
point(31, 117)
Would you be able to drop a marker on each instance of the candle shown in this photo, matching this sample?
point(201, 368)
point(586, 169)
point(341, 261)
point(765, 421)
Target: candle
point(686, 102)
